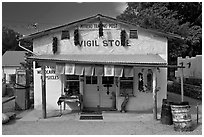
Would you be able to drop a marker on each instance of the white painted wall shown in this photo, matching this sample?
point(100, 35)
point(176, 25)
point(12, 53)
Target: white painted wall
point(53, 89)
point(145, 44)
point(144, 101)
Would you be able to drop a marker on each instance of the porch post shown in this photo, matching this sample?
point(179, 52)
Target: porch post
point(117, 91)
point(154, 95)
point(62, 83)
point(43, 80)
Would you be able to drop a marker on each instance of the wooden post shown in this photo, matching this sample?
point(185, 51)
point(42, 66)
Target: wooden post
point(182, 94)
point(154, 95)
point(197, 113)
point(43, 78)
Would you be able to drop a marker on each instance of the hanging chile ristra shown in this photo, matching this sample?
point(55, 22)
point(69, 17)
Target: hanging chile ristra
point(100, 26)
point(123, 37)
point(76, 37)
point(54, 45)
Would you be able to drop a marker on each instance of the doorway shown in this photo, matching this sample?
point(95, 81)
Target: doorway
point(98, 91)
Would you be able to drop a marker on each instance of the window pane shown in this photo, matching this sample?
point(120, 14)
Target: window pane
point(73, 87)
point(88, 80)
point(72, 77)
point(65, 35)
point(94, 80)
point(126, 87)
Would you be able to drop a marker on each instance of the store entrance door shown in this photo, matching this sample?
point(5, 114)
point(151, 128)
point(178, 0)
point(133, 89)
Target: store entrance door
point(98, 92)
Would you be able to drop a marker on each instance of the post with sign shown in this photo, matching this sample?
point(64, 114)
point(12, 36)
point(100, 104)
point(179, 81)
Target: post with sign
point(43, 78)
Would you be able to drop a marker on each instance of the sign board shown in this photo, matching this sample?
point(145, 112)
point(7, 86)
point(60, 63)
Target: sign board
point(95, 26)
point(50, 72)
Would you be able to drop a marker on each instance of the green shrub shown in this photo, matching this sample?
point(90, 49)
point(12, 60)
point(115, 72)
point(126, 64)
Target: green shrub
point(189, 90)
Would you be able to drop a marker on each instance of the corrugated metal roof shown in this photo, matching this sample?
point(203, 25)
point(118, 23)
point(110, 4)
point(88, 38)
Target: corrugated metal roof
point(13, 58)
point(105, 59)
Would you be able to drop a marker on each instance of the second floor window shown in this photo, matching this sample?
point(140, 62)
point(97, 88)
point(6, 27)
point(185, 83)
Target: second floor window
point(133, 34)
point(65, 35)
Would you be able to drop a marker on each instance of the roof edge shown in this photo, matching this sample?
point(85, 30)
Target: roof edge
point(43, 32)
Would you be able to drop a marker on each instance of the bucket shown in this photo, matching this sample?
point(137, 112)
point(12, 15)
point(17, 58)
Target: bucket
point(166, 115)
point(181, 116)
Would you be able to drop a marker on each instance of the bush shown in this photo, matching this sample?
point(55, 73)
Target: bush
point(193, 81)
point(189, 90)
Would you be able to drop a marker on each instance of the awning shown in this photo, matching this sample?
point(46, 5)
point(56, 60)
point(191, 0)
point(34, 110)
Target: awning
point(101, 65)
point(141, 59)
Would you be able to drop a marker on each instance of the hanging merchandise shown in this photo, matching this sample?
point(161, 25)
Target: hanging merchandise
point(123, 37)
point(100, 26)
point(76, 37)
point(54, 45)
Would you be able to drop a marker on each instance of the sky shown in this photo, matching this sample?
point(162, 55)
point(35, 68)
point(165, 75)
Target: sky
point(21, 16)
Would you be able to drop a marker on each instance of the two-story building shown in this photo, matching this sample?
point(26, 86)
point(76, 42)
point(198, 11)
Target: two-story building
point(104, 60)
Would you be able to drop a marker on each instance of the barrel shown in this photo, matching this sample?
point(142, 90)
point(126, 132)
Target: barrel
point(166, 115)
point(181, 116)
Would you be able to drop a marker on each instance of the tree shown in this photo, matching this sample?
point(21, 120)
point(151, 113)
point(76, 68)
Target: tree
point(170, 17)
point(9, 40)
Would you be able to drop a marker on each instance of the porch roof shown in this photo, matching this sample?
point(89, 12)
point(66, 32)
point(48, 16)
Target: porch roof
point(135, 59)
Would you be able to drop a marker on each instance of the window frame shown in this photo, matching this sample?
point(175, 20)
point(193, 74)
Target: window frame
point(65, 34)
point(129, 79)
point(133, 36)
point(72, 80)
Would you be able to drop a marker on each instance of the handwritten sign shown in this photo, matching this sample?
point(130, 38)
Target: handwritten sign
point(95, 26)
point(50, 73)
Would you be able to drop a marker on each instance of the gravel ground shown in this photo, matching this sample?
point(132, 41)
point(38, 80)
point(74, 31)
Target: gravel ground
point(74, 127)
point(114, 123)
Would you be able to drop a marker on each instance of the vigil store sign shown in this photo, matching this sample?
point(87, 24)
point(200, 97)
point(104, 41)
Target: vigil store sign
point(105, 43)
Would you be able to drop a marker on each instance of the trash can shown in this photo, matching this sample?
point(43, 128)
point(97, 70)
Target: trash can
point(181, 116)
point(166, 115)
point(22, 98)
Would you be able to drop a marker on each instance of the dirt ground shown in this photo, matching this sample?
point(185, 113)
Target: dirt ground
point(114, 123)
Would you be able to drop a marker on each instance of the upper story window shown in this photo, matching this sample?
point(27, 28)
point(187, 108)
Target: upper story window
point(133, 34)
point(65, 35)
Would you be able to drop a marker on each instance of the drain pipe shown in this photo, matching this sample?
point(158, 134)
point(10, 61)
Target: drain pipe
point(19, 44)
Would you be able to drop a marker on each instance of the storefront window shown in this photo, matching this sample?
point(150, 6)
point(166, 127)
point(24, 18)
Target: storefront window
point(126, 86)
point(72, 85)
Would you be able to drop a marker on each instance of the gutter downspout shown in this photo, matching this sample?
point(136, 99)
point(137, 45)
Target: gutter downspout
point(19, 44)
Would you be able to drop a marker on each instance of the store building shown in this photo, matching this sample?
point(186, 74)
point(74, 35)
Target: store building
point(103, 64)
